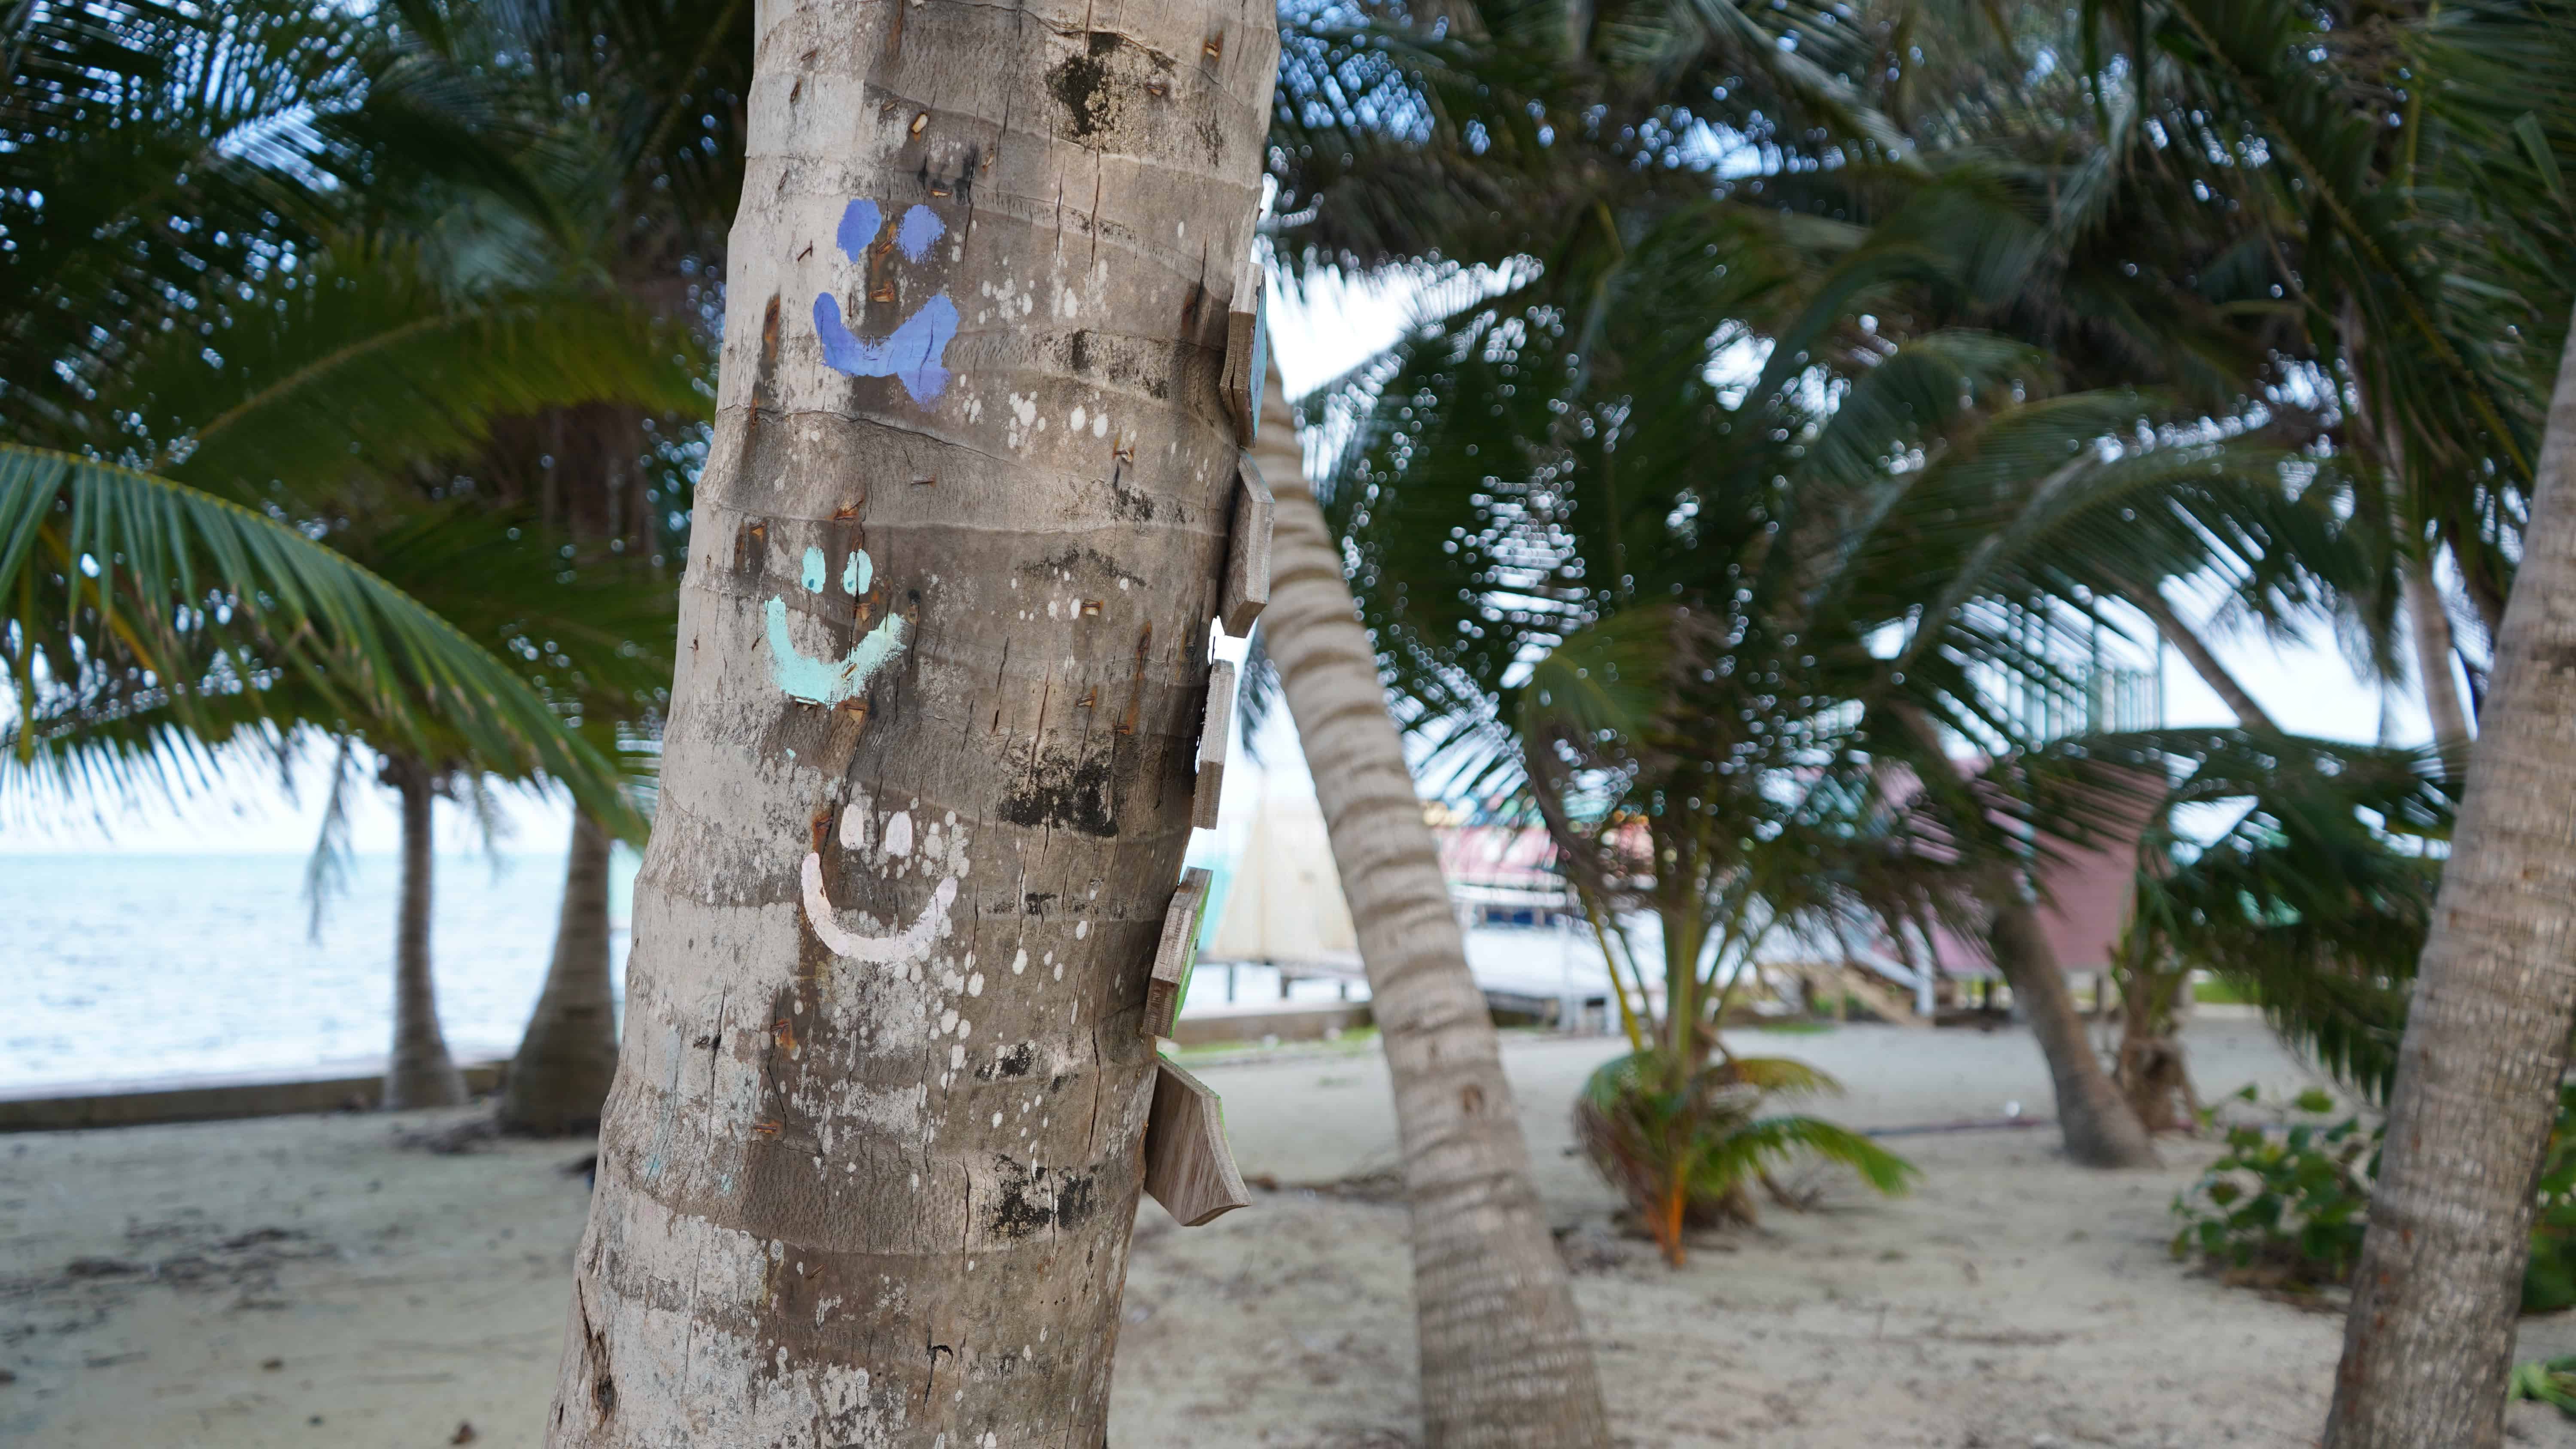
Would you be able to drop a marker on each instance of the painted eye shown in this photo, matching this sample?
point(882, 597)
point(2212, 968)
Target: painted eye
point(921, 226)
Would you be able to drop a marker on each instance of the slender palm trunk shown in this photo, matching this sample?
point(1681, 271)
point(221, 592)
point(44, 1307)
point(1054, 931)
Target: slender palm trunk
point(2202, 659)
point(420, 1073)
point(1504, 1360)
point(2095, 1121)
point(2427, 1339)
point(2099, 1126)
point(559, 1079)
point(2430, 623)
point(875, 1147)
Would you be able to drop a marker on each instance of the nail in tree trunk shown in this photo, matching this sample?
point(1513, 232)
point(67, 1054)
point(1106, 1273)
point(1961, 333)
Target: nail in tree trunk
point(875, 1147)
point(420, 1073)
point(2430, 1331)
point(560, 1077)
point(1504, 1360)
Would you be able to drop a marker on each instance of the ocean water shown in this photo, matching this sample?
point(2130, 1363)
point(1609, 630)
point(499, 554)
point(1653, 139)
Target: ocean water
point(122, 967)
point(117, 967)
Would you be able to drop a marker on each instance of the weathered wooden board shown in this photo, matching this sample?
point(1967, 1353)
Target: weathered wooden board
point(1217, 725)
point(1247, 346)
point(1189, 1168)
point(1245, 590)
point(1176, 953)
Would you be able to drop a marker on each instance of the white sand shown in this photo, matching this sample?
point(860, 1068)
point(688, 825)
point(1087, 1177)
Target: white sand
point(2013, 1302)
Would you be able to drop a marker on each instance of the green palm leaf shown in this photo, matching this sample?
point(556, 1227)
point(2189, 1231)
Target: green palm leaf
point(140, 610)
point(1749, 1148)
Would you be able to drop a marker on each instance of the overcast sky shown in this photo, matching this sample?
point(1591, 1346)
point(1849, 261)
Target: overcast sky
point(2307, 687)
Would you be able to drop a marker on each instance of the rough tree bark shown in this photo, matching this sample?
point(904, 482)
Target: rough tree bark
point(2430, 1330)
point(1504, 1360)
point(420, 1073)
point(2203, 661)
point(568, 1056)
point(870, 1165)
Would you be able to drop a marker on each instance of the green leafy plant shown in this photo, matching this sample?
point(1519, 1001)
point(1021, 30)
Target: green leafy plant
point(1692, 1157)
point(2286, 1210)
point(2550, 1381)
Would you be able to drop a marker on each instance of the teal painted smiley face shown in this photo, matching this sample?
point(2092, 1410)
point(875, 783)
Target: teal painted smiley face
point(830, 681)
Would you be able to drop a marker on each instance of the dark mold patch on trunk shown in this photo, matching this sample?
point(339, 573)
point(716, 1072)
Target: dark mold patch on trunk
point(1066, 792)
point(1019, 1061)
point(1032, 1199)
point(1131, 504)
point(1080, 83)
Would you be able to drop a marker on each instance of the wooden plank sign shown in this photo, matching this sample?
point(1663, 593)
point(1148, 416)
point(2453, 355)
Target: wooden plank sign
point(1246, 587)
point(1247, 346)
point(1189, 1168)
point(1218, 723)
point(1176, 953)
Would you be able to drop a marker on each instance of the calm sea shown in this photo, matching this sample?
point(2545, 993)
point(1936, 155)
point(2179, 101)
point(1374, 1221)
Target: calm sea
point(125, 966)
point(122, 967)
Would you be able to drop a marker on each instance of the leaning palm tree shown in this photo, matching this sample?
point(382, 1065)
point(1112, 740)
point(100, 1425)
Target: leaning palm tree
point(1520, 1371)
point(2357, 152)
point(1806, 588)
point(2429, 1336)
point(2313, 902)
point(616, 130)
point(268, 377)
point(593, 640)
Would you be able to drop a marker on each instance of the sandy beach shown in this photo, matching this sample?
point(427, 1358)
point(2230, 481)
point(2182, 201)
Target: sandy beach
point(311, 1281)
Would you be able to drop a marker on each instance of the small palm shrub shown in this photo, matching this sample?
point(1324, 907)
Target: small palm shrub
point(1690, 1155)
point(2287, 1212)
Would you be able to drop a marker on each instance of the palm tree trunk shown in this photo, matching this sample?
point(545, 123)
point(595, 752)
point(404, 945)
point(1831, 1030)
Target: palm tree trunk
point(2094, 1120)
point(2203, 661)
point(1504, 1360)
point(2430, 622)
point(420, 1073)
point(2430, 1330)
point(560, 1077)
point(2426, 617)
point(875, 1147)
point(2099, 1127)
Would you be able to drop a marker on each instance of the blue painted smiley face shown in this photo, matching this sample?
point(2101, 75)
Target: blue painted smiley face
point(915, 351)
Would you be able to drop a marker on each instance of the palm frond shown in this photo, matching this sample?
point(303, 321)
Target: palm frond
point(1746, 1150)
point(140, 610)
